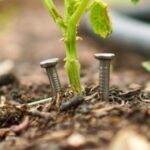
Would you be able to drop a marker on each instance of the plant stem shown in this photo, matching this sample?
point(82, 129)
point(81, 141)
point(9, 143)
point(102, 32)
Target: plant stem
point(72, 65)
point(79, 12)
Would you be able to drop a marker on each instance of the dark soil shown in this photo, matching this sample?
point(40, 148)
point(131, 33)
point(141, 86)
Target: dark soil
point(92, 124)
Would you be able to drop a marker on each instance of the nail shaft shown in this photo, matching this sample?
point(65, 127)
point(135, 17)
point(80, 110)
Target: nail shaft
point(104, 79)
point(54, 80)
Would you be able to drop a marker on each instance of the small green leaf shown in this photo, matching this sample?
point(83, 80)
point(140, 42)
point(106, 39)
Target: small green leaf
point(135, 1)
point(99, 19)
point(146, 65)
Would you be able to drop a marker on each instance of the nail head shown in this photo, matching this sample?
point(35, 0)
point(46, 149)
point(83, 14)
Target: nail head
point(49, 62)
point(104, 55)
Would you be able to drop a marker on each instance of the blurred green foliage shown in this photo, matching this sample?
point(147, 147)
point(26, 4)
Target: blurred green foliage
point(121, 2)
point(146, 65)
point(135, 1)
point(6, 15)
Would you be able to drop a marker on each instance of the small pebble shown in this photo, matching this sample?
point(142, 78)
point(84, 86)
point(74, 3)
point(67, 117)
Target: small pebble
point(6, 67)
point(76, 140)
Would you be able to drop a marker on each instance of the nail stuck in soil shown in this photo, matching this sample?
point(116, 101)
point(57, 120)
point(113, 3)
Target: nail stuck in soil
point(104, 74)
point(50, 66)
point(72, 103)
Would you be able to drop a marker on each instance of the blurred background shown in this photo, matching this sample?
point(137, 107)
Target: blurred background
point(28, 35)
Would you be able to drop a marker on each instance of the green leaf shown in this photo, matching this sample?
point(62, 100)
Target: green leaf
point(99, 19)
point(146, 65)
point(135, 1)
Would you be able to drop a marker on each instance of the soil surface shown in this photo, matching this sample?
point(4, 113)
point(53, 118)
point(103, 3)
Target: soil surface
point(28, 36)
point(87, 123)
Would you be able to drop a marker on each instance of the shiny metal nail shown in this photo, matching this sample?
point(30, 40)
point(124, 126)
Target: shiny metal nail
point(50, 66)
point(104, 75)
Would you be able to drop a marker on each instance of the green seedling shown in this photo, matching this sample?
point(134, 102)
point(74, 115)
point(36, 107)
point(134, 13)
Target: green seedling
point(68, 24)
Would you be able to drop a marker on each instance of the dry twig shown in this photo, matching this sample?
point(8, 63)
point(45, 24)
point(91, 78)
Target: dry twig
point(91, 97)
point(104, 111)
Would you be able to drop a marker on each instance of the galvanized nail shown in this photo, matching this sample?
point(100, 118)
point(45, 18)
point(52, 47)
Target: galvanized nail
point(50, 66)
point(104, 73)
